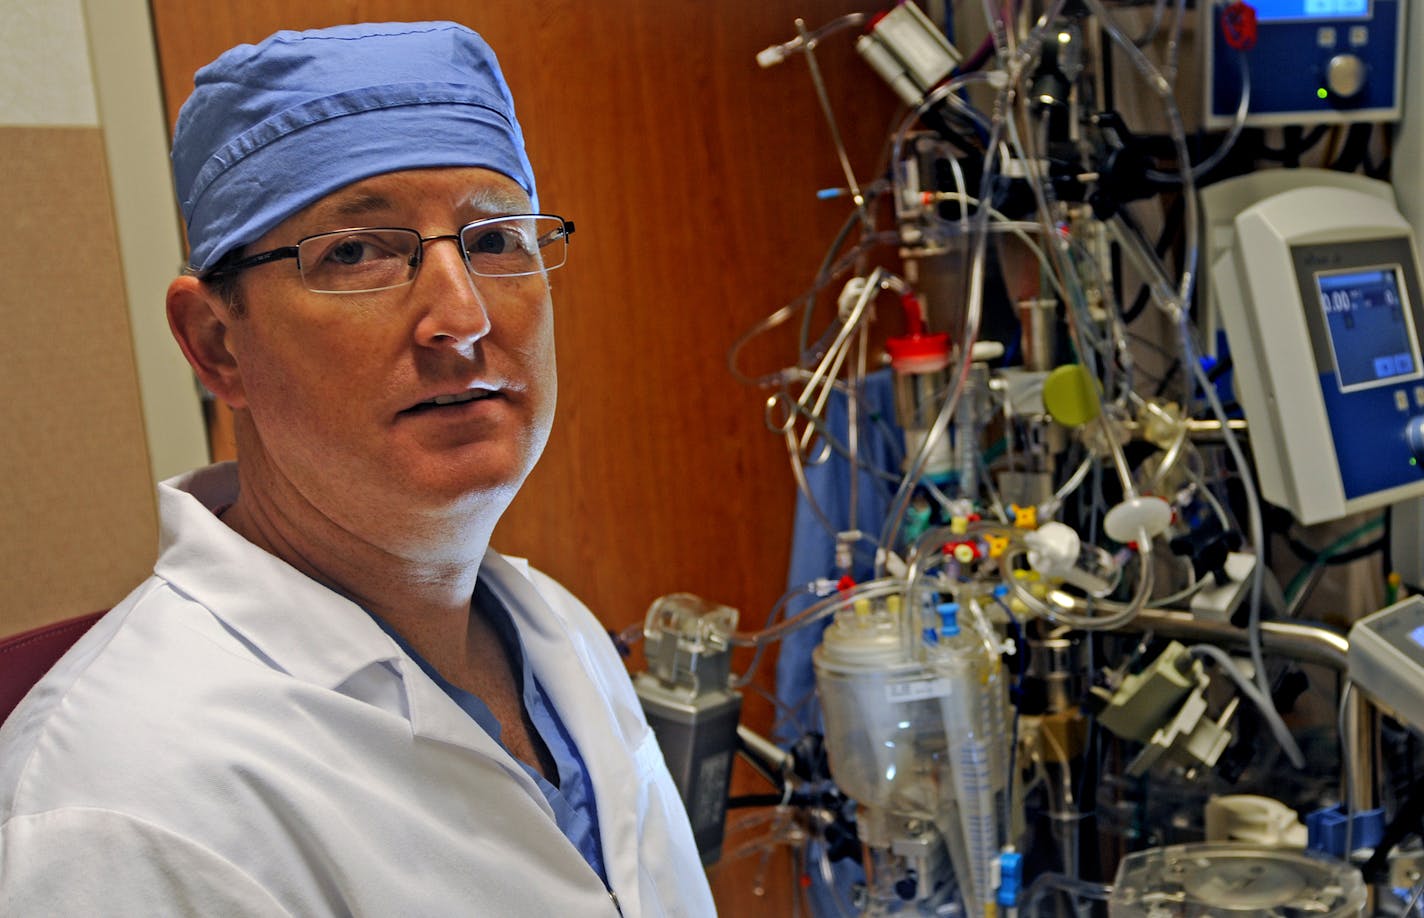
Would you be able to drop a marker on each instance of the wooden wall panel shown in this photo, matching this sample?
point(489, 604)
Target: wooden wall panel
point(78, 528)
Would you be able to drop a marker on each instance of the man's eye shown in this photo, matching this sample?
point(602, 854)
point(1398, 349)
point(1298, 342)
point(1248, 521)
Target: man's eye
point(347, 252)
point(495, 242)
point(363, 249)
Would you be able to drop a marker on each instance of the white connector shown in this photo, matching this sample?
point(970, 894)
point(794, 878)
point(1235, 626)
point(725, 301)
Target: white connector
point(769, 57)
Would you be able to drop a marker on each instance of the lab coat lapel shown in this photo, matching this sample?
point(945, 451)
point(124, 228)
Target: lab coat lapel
point(436, 717)
point(563, 664)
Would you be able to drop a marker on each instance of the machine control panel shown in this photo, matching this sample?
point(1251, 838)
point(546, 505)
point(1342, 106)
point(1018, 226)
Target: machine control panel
point(1363, 311)
point(1313, 61)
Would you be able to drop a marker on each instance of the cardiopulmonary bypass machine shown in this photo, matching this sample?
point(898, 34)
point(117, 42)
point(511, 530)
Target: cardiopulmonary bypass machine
point(1106, 406)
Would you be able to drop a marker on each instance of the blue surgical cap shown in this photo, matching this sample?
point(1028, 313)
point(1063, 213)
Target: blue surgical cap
point(274, 127)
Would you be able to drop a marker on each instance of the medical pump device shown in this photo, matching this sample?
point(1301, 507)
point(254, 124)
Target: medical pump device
point(1320, 298)
point(1058, 497)
point(1310, 61)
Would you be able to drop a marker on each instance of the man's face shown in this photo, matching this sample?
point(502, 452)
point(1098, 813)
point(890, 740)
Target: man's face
point(341, 389)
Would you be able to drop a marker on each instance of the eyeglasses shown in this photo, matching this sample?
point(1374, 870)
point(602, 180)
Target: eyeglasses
point(368, 259)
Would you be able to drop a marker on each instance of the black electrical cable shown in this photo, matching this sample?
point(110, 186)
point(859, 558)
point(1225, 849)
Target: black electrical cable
point(1290, 136)
point(1165, 240)
point(1355, 554)
point(742, 801)
point(1311, 556)
point(1105, 41)
point(1387, 555)
point(1088, 789)
point(1301, 550)
point(978, 59)
point(1218, 370)
point(1168, 375)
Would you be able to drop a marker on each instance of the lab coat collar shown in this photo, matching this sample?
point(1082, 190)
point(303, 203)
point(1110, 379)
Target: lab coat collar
point(300, 626)
point(290, 617)
point(314, 634)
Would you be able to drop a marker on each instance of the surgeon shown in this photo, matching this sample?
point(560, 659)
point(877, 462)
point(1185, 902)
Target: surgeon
point(333, 697)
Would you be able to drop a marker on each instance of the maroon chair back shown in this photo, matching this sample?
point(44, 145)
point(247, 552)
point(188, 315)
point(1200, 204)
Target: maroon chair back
point(27, 656)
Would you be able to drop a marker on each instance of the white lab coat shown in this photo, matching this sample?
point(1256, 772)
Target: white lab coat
point(236, 739)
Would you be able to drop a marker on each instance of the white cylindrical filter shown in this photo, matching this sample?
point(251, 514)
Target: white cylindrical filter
point(1056, 550)
point(920, 379)
point(920, 363)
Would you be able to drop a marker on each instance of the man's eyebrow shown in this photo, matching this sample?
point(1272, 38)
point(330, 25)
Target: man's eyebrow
point(496, 201)
point(357, 205)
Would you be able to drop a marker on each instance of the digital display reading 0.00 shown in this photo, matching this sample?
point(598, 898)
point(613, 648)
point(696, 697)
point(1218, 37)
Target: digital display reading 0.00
point(1371, 332)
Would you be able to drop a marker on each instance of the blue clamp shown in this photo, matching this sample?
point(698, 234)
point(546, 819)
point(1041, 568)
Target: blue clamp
point(949, 618)
point(1010, 878)
point(1325, 830)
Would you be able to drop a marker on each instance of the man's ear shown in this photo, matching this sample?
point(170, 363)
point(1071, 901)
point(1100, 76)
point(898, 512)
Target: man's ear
point(201, 323)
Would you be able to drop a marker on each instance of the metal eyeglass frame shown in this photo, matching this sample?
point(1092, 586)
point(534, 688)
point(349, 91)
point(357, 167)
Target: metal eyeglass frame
point(566, 229)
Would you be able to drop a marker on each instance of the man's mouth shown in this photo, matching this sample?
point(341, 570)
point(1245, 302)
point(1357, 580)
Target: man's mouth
point(460, 398)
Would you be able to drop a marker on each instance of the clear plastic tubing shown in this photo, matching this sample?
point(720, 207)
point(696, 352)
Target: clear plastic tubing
point(870, 589)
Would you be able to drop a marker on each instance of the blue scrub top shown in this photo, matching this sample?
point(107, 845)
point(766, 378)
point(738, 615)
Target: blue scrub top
point(572, 801)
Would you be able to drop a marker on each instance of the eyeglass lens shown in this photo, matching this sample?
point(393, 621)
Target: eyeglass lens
point(364, 260)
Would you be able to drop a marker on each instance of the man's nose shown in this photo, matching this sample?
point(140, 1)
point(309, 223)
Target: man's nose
point(454, 312)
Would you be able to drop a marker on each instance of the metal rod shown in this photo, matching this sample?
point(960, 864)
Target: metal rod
point(809, 44)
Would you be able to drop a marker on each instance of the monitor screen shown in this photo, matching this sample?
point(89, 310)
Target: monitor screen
point(1269, 10)
point(1370, 325)
point(1417, 635)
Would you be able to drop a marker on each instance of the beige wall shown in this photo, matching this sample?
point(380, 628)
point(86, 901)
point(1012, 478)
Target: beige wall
point(77, 461)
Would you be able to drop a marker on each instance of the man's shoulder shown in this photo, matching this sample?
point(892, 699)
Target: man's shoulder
point(119, 699)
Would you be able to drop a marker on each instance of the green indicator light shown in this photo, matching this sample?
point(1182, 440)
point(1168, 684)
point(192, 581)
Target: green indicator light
point(1321, 93)
point(1413, 461)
